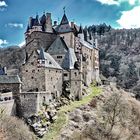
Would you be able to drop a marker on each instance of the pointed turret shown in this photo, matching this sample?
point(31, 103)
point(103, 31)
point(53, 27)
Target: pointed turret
point(64, 20)
point(64, 25)
point(80, 30)
point(81, 33)
point(36, 21)
point(43, 19)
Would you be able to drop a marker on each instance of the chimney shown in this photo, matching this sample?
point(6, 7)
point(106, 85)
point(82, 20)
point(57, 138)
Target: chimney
point(55, 23)
point(48, 23)
point(72, 25)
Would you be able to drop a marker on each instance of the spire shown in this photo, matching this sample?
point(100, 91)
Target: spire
point(43, 19)
point(36, 22)
point(64, 8)
point(80, 30)
point(64, 18)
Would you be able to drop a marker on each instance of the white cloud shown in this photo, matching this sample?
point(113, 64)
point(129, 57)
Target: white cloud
point(132, 2)
point(21, 44)
point(3, 42)
point(130, 19)
point(108, 2)
point(3, 4)
point(15, 25)
point(118, 2)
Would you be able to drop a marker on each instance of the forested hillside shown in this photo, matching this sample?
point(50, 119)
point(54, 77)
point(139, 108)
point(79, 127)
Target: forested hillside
point(119, 57)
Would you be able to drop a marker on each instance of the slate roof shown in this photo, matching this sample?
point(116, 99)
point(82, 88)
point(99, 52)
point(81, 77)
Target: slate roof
point(69, 60)
point(58, 46)
point(8, 79)
point(49, 60)
point(64, 25)
point(86, 44)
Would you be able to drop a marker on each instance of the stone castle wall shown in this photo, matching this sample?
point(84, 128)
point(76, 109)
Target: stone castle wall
point(29, 103)
point(33, 77)
point(54, 81)
point(76, 84)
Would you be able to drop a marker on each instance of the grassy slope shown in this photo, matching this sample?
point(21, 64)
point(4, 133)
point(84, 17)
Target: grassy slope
point(62, 119)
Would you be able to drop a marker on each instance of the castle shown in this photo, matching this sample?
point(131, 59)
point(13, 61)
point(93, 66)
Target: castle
point(59, 61)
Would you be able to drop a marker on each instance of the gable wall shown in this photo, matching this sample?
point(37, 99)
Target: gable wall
point(33, 77)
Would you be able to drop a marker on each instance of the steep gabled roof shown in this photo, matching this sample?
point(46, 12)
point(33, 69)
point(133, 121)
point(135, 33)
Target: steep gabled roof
point(58, 46)
point(69, 60)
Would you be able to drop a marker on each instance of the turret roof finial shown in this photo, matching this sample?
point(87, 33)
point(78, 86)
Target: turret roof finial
point(64, 8)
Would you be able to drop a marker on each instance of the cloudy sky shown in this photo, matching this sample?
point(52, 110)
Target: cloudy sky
point(14, 14)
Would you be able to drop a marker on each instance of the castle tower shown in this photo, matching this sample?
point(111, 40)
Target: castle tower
point(33, 25)
point(66, 32)
point(48, 27)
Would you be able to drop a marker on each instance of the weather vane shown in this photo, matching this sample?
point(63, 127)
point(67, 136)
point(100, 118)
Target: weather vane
point(64, 8)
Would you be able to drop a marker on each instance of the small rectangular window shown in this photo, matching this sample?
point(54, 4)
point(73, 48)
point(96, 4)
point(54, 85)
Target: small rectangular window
point(65, 74)
point(59, 57)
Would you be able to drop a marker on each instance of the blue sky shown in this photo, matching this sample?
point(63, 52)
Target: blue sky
point(14, 14)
